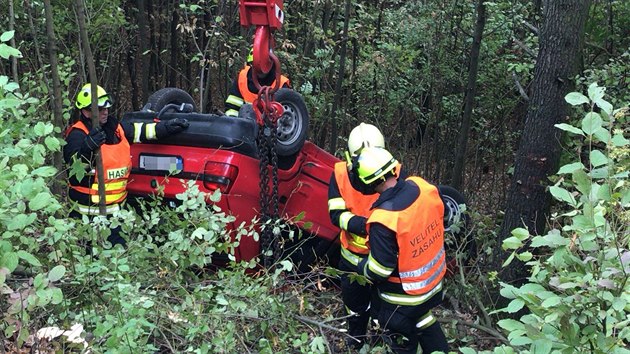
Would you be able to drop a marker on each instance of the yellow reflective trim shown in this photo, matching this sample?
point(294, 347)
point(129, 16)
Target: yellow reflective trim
point(344, 219)
point(109, 198)
point(137, 130)
point(358, 241)
point(235, 100)
point(94, 209)
point(426, 321)
point(111, 186)
point(231, 113)
point(150, 131)
point(350, 257)
point(336, 204)
point(410, 300)
point(377, 268)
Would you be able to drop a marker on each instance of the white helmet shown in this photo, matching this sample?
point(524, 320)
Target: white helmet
point(364, 135)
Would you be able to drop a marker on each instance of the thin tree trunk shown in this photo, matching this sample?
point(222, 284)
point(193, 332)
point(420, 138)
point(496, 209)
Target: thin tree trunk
point(94, 106)
point(145, 58)
point(172, 72)
point(56, 97)
point(31, 25)
point(14, 69)
point(340, 77)
point(469, 101)
point(528, 202)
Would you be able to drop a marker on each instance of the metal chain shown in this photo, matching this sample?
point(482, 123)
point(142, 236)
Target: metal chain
point(267, 138)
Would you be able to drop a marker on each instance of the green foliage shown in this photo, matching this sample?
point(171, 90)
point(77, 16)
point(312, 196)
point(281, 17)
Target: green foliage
point(578, 294)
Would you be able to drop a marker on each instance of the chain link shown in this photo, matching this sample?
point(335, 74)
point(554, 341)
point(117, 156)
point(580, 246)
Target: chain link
point(267, 138)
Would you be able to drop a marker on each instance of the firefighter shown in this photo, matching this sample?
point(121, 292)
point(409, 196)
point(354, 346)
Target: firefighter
point(348, 209)
point(243, 89)
point(113, 139)
point(407, 258)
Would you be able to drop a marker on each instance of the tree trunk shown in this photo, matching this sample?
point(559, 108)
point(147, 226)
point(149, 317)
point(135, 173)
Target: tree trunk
point(94, 106)
point(145, 58)
point(14, 70)
point(528, 202)
point(340, 75)
point(469, 100)
point(172, 72)
point(56, 100)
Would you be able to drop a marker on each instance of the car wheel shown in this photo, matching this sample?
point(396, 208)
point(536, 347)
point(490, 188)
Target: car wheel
point(456, 221)
point(167, 95)
point(293, 124)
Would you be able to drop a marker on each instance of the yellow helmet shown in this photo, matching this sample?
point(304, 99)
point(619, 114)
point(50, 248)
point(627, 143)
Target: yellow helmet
point(84, 97)
point(374, 163)
point(364, 135)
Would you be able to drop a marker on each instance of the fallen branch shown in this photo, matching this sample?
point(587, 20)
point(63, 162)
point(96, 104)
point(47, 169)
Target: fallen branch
point(491, 331)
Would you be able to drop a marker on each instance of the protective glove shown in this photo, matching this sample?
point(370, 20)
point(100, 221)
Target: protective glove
point(170, 127)
point(95, 139)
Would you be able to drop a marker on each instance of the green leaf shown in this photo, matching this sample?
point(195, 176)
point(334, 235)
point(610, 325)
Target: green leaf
point(52, 143)
point(56, 273)
point(44, 171)
point(597, 158)
point(57, 296)
point(576, 98)
point(6, 36)
point(570, 168)
point(9, 261)
point(7, 51)
point(541, 346)
point(515, 305)
point(511, 325)
point(19, 222)
point(595, 92)
point(40, 201)
point(569, 128)
point(512, 243)
point(520, 233)
point(552, 301)
point(602, 135)
point(39, 129)
point(562, 194)
point(29, 258)
point(604, 105)
point(525, 256)
point(619, 140)
point(591, 122)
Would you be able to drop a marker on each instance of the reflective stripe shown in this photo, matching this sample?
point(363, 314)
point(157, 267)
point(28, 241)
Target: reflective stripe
point(336, 204)
point(150, 131)
point(409, 300)
point(422, 270)
point(235, 100)
point(137, 130)
point(425, 321)
point(350, 257)
point(344, 219)
point(109, 198)
point(358, 241)
point(94, 209)
point(231, 113)
point(111, 186)
point(421, 284)
point(377, 268)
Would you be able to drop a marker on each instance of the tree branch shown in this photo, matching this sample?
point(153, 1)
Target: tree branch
point(531, 27)
point(519, 87)
point(491, 331)
point(525, 48)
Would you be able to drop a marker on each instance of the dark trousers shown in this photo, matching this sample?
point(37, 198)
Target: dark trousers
point(358, 298)
point(402, 333)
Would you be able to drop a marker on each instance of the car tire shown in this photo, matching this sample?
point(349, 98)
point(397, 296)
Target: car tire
point(162, 97)
point(293, 124)
point(456, 221)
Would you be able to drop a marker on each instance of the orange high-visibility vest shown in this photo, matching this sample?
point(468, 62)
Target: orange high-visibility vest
point(249, 96)
point(117, 167)
point(358, 204)
point(420, 236)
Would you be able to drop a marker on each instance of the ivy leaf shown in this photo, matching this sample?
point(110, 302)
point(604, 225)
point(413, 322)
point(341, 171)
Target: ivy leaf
point(576, 98)
point(515, 305)
point(6, 51)
point(56, 273)
point(9, 261)
point(52, 143)
point(29, 258)
point(44, 171)
point(569, 128)
point(591, 123)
